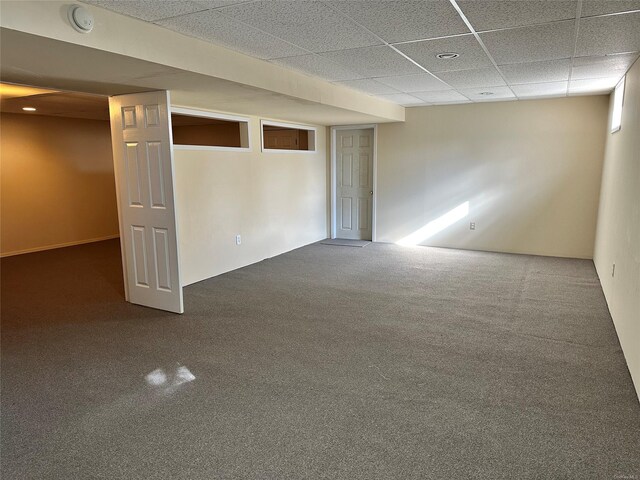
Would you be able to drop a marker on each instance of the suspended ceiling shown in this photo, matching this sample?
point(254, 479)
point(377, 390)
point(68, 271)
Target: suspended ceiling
point(507, 49)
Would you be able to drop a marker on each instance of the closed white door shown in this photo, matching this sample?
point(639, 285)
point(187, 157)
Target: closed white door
point(354, 184)
point(143, 159)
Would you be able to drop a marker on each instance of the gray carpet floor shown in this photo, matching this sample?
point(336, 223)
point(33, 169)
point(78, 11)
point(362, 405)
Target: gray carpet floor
point(343, 242)
point(354, 363)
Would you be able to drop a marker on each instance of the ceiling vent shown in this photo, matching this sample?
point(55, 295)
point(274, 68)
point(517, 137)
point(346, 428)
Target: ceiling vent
point(447, 55)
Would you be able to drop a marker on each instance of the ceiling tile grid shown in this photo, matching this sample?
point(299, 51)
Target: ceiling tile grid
point(471, 54)
point(402, 20)
point(501, 14)
point(592, 8)
point(487, 94)
point(484, 77)
point(420, 82)
point(531, 44)
point(149, 10)
point(311, 25)
point(213, 27)
point(604, 66)
point(379, 61)
point(537, 72)
point(609, 34)
point(506, 49)
point(593, 86)
point(532, 90)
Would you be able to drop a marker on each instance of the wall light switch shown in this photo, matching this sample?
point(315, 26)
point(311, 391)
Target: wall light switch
point(472, 226)
point(238, 239)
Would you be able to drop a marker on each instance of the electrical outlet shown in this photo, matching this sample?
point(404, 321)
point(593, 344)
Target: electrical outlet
point(238, 239)
point(472, 226)
point(613, 270)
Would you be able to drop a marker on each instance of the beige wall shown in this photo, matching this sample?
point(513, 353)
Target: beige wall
point(276, 201)
point(618, 234)
point(530, 171)
point(57, 182)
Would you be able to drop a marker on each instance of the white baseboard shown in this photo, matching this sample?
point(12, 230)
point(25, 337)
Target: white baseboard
point(59, 245)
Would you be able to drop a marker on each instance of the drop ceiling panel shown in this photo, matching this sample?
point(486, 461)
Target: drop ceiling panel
point(602, 67)
point(599, 7)
point(471, 53)
point(149, 10)
point(370, 62)
point(402, 99)
point(484, 77)
point(593, 86)
point(402, 20)
point(369, 85)
point(533, 90)
point(213, 27)
point(530, 44)
point(448, 96)
point(315, 65)
point(537, 72)
point(610, 34)
point(421, 82)
point(310, 25)
point(495, 14)
point(498, 93)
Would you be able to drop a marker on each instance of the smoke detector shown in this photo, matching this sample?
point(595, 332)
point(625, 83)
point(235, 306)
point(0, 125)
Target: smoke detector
point(80, 18)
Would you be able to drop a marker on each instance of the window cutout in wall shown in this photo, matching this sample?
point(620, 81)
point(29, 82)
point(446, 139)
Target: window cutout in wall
point(616, 115)
point(209, 131)
point(285, 137)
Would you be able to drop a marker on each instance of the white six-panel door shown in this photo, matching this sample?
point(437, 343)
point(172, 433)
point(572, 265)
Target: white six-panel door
point(143, 159)
point(354, 184)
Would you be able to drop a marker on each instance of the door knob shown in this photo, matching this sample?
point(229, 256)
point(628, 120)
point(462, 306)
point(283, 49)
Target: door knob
point(371, 192)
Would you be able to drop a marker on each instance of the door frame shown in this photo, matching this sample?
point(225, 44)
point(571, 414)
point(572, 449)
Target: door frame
point(334, 179)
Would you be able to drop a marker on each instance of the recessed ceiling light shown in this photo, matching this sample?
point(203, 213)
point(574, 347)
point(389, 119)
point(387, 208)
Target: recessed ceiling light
point(447, 55)
point(29, 109)
point(485, 93)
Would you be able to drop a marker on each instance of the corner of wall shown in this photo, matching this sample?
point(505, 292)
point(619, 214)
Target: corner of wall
point(618, 228)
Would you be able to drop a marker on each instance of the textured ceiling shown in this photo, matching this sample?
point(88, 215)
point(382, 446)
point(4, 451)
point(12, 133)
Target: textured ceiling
point(508, 49)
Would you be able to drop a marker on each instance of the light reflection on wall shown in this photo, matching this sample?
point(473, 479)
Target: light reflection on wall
point(436, 226)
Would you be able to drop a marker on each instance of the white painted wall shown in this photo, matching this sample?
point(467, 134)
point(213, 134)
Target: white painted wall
point(530, 171)
point(57, 182)
point(618, 234)
point(276, 201)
